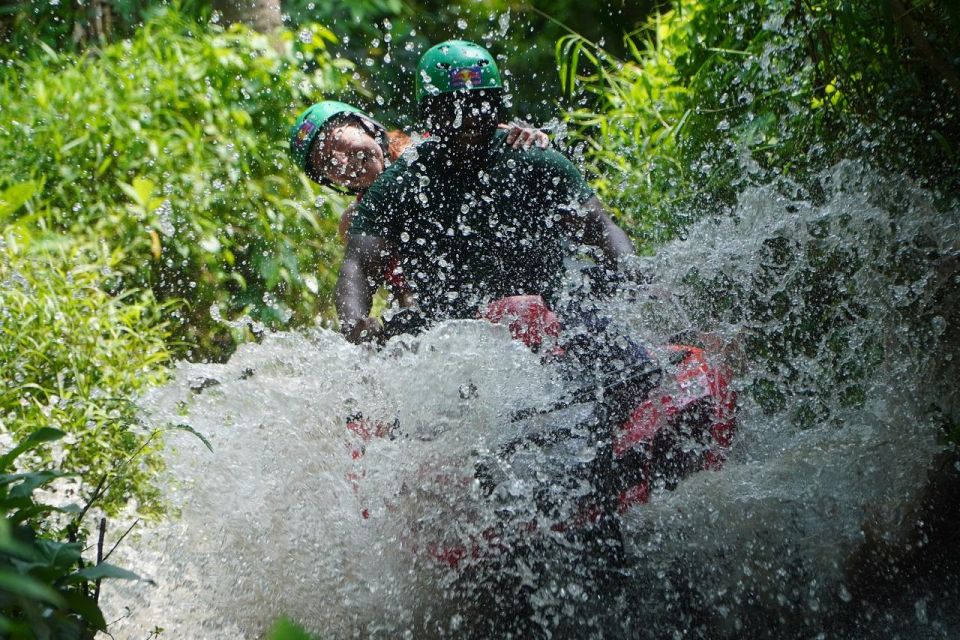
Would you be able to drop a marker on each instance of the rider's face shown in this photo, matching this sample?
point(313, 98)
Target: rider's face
point(468, 119)
point(347, 154)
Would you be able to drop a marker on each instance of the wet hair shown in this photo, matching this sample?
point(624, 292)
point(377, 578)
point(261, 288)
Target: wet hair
point(397, 143)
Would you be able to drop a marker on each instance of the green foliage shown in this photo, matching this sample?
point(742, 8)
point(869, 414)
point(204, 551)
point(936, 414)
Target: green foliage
point(171, 146)
point(718, 96)
point(72, 356)
point(284, 629)
point(714, 96)
point(67, 25)
point(46, 591)
point(387, 37)
point(631, 140)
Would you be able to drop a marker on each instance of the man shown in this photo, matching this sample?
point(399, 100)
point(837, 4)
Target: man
point(470, 219)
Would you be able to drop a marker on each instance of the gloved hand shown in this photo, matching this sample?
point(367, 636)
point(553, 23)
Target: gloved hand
point(366, 330)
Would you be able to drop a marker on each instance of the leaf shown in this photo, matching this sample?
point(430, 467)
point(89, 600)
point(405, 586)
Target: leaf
point(88, 609)
point(284, 629)
point(58, 554)
point(103, 570)
point(10, 478)
point(140, 191)
point(14, 197)
point(10, 545)
point(189, 429)
point(29, 482)
point(28, 587)
point(103, 166)
point(29, 511)
point(41, 435)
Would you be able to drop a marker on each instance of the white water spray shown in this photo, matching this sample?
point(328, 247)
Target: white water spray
point(842, 307)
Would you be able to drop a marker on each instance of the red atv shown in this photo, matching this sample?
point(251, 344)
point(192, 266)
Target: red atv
point(656, 423)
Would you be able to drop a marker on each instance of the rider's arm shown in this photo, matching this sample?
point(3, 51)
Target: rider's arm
point(600, 231)
point(346, 218)
point(588, 221)
point(360, 274)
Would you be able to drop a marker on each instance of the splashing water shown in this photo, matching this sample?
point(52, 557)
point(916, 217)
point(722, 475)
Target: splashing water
point(839, 309)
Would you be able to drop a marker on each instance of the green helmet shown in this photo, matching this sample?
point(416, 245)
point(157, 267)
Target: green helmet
point(311, 122)
point(456, 65)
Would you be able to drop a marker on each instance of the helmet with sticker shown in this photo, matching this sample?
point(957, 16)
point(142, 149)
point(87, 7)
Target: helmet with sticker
point(456, 65)
point(314, 118)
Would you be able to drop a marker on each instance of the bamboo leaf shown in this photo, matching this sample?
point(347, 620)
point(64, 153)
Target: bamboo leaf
point(38, 437)
point(191, 430)
point(14, 197)
point(101, 571)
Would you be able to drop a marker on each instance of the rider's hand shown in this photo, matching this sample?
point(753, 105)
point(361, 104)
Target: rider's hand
point(525, 137)
point(366, 330)
point(635, 275)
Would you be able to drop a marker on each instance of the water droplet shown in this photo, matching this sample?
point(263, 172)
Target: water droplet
point(939, 325)
point(164, 218)
point(461, 24)
point(504, 23)
point(920, 607)
point(404, 237)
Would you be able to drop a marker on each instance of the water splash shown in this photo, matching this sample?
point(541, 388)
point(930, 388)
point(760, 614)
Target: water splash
point(839, 308)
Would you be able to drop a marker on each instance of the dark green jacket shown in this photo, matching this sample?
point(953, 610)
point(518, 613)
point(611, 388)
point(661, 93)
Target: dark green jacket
point(466, 233)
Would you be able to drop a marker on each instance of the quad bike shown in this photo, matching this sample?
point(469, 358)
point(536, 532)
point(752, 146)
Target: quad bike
point(627, 433)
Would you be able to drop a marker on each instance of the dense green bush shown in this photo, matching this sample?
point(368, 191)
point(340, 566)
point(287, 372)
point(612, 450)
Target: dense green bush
point(171, 146)
point(386, 38)
point(718, 95)
point(47, 589)
point(68, 25)
point(72, 356)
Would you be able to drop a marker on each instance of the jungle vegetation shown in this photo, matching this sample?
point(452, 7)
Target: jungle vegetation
point(150, 211)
